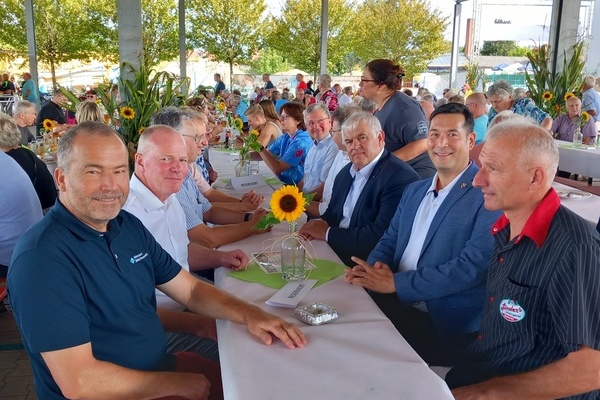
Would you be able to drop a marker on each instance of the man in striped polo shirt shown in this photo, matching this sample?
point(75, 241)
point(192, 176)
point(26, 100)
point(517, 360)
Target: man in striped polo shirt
point(540, 328)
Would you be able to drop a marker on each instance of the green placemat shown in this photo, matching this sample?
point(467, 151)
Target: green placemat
point(326, 270)
point(224, 150)
point(273, 181)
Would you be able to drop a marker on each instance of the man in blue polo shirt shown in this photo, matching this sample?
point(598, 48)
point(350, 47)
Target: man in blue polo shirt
point(540, 330)
point(82, 287)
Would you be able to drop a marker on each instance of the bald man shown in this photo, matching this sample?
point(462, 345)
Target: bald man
point(476, 103)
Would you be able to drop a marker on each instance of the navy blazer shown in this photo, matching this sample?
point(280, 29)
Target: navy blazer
point(452, 268)
point(374, 209)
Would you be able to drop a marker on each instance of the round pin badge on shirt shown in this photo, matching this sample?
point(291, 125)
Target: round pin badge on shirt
point(511, 310)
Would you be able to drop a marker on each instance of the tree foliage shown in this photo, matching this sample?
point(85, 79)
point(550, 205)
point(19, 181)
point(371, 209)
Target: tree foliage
point(65, 30)
point(160, 31)
point(297, 33)
point(409, 32)
point(231, 31)
point(269, 61)
point(503, 48)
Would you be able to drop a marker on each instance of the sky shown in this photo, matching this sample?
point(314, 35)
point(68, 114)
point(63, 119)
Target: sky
point(526, 23)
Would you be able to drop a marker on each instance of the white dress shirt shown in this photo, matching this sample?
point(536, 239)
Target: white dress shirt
point(425, 213)
point(166, 222)
point(339, 162)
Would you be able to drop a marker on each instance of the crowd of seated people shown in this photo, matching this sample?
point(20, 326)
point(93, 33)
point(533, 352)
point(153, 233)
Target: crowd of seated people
point(443, 212)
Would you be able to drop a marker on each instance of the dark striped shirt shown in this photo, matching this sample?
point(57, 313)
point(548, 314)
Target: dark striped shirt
point(542, 296)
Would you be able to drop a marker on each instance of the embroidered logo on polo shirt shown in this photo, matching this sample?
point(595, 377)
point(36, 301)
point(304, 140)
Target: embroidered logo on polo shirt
point(511, 310)
point(137, 258)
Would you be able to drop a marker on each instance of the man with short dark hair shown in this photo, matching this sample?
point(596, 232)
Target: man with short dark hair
point(220, 85)
point(7, 87)
point(87, 313)
point(53, 110)
point(540, 328)
point(428, 271)
point(365, 193)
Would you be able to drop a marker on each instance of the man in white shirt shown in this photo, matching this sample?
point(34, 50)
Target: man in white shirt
point(317, 208)
point(366, 192)
point(346, 97)
point(160, 167)
point(320, 156)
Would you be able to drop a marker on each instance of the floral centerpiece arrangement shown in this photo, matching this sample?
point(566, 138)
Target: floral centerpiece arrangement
point(549, 91)
point(288, 204)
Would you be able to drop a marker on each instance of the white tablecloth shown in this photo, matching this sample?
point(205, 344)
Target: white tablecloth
point(582, 161)
point(588, 208)
point(359, 356)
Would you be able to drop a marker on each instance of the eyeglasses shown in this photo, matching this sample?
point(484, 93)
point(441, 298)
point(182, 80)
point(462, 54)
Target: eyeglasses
point(90, 96)
point(334, 131)
point(283, 117)
point(363, 80)
point(313, 123)
point(197, 138)
point(471, 104)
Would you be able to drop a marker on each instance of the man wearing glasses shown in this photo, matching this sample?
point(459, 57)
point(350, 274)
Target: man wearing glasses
point(476, 103)
point(322, 153)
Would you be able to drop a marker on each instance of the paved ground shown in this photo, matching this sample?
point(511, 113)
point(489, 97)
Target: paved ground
point(16, 380)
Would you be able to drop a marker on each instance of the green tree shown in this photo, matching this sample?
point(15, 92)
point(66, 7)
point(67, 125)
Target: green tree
point(297, 33)
point(503, 48)
point(269, 61)
point(160, 31)
point(65, 30)
point(409, 32)
point(230, 30)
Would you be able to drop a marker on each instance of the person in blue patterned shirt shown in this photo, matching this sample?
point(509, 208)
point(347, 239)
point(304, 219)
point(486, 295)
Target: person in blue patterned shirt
point(500, 97)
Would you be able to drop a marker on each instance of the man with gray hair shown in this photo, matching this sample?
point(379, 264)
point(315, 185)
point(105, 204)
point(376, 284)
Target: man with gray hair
point(230, 226)
point(365, 193)
point(25, 114)
point(346, 97)
point(591, 98)
point(500, 96)
point(322, 153)
point(540, 327)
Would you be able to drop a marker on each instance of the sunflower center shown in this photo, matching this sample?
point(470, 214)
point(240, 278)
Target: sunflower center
point(288, 203)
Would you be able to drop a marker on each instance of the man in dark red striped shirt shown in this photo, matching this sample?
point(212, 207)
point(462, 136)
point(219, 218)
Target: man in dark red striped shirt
point(540, 329)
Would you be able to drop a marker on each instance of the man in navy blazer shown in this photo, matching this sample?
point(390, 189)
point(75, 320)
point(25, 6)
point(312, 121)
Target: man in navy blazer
point(365, 194)
point(435, 255)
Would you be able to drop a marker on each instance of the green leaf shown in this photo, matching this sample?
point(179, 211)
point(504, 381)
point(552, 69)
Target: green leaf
point(266, 222)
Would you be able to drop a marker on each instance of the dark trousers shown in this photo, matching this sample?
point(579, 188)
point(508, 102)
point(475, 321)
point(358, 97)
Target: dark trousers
point(418, 330)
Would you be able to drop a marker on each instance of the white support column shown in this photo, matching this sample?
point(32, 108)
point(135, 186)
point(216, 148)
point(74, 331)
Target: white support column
point(563, 31)
point(129, 14)
point(593, 61)
point(31, 46)
point(324, 29)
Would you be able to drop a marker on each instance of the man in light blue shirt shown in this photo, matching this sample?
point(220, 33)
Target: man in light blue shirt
point(29, 89)
point(476, 104)
point(428, 271)
point(321, 155)
point(591, 98)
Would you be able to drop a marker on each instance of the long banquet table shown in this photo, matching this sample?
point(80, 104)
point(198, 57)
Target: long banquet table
point(583, 161)
point(358, 356)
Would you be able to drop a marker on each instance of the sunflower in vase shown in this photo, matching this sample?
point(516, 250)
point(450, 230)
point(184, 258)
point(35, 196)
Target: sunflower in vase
point(287, 204)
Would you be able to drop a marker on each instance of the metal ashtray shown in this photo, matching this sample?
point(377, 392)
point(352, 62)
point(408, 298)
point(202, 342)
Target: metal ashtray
point(316, 314)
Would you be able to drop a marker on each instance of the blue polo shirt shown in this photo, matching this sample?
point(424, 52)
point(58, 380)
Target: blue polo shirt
point(292, 150)
point(70, 284)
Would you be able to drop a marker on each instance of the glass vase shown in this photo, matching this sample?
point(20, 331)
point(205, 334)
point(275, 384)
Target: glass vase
point(577, 137)
point(242, 168)
point(293, 256)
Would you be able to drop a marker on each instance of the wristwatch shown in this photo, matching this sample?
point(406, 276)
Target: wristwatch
point(261, 148)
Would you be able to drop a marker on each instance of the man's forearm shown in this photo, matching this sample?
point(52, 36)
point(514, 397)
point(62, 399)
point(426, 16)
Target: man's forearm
point(223, 216)
point(216, 236)
point(574, 374)
point(411, 150)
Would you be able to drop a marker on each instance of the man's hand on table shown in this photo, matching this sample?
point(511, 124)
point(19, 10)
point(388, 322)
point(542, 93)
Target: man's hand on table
point(256, 216)
point(262, 325)
point(378, 278)
point(234, 259)
point(251, 200)
point(315, 229)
